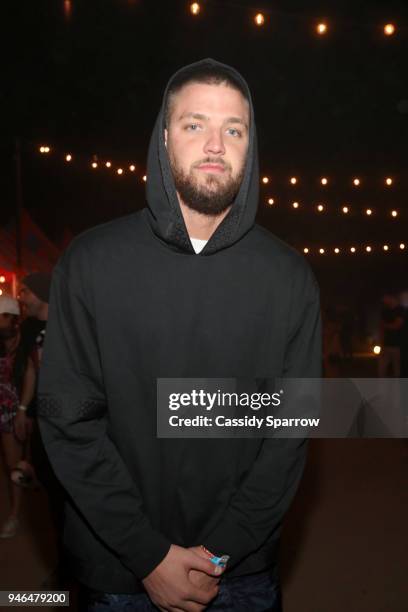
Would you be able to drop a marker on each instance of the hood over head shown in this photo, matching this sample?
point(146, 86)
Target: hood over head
point(164, 213)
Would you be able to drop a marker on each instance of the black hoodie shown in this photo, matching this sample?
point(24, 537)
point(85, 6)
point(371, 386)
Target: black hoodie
point(132, 302)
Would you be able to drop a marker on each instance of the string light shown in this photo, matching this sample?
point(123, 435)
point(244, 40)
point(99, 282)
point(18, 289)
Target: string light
point(369, 211)
point(195, 8)
point(293, 180)
point(295, 204)
point(394, 213)
point(68, 158)
point(377, 349)
point(119, 171)
point(324, 181)
point(108, 164)
point(2, 279)
point(94, 165)
point(265, 180)
point(345, 209)
point(145, 178)
point(320, 208)
point(321, 28)
point(356, 182)
point(389, 29)
point(271, 201)
point(45, 149)
point(388, 181)
point(132, 168)
point(353, 249)
point(259, 19)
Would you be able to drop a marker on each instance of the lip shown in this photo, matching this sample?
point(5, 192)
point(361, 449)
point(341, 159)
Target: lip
point(212, 168)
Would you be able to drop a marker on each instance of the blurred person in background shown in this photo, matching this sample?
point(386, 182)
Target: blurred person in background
point(404, 336)
point(392, 323)
point(17, 383)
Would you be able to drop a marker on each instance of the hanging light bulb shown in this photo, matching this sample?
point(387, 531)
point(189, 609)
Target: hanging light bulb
point(321, 251)
point(394, 213)
point(195, 8)
point(132, 168)
point(320, 208)
point(68, 157)
point(271, 201)
point(295, 204)
point(337, 250)
point(265, 180)
point(306, 250)
point(402, 246)
point(377, 349)
point(259, 19)
point(108, 164)
point(119, 171)
point(369, 211)
point(345, 209)
point(385, 247)
point(368, 249)
point(293, 180)
point(94, 165)
point(2, 279)
point(145, 178)
point(356, 182)
point(324, 181)
point(321, 28)
point(389, 29)
point(388, 181)
point(353, 249)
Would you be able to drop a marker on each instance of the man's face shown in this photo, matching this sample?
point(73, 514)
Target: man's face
point(31, 303)
point(207, 143)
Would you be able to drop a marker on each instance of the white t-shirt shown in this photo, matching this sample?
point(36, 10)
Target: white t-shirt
point(198, 244)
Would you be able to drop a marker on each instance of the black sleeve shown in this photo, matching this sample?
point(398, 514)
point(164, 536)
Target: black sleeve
point(72, 415)
point(258, 507)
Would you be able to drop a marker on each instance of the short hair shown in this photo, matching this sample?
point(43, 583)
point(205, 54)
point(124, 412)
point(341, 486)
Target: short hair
point(210, 74)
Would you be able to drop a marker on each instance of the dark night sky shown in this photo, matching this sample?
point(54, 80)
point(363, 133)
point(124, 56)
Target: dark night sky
point(92, 83)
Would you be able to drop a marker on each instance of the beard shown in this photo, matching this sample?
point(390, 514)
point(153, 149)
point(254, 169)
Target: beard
point(210, 198)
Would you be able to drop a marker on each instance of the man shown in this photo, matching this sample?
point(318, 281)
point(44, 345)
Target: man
point(188, 287)
point(34, 295)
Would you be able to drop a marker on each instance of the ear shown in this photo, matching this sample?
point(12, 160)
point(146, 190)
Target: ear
point(165, 137)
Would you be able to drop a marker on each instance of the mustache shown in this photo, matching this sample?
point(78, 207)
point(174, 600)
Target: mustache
point(212, 160)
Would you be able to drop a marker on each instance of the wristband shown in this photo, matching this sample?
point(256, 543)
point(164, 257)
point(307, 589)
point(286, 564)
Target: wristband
point(22, 408)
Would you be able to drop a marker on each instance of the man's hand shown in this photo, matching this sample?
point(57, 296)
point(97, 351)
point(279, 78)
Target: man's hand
point(169, 586)
point(23, 426)
point(201, 579)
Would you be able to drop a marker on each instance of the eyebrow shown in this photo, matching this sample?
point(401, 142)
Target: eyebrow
point(201, 117)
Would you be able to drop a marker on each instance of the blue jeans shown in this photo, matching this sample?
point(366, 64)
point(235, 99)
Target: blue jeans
point(253, 593)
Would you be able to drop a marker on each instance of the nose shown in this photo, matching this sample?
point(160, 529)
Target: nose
point(214, 144)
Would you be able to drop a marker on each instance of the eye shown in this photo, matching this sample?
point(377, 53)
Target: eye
point(192, 127)
point(234, 132)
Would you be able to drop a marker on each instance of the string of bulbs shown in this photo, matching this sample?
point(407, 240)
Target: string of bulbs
point(260, 19)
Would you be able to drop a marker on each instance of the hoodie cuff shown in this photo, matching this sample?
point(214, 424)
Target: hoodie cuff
point(230, 539)
point(149, 550)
